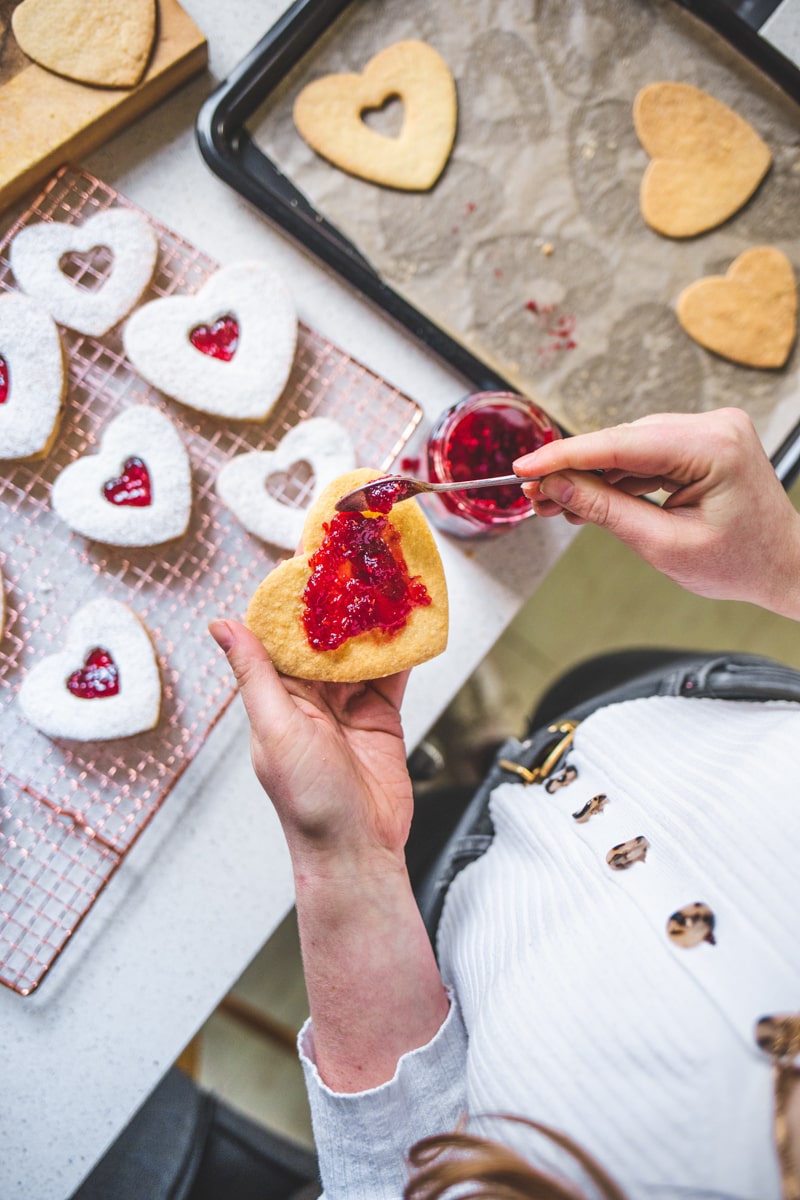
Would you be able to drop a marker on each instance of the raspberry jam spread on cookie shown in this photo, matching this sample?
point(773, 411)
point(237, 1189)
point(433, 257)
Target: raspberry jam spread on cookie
point(359, 582)
point(97, 678)
point(3, 380)
point(133, 486)
point(219, 340)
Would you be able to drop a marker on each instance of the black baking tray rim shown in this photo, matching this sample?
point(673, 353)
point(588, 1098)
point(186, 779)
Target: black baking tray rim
point(231, 153)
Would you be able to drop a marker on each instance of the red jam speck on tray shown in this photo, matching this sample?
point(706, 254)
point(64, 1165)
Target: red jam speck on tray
point(4, 381)
point(132, 488)
point(219, 340)
point(97, 678)
point(359, 582)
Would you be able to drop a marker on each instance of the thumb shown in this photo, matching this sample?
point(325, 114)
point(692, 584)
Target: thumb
point(633, 520)
point(260, 685)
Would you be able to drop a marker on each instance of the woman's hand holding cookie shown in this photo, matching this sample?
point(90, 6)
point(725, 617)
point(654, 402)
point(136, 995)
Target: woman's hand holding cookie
point(330, 756)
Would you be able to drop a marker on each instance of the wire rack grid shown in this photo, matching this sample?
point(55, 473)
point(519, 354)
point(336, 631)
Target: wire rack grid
point(69, 811)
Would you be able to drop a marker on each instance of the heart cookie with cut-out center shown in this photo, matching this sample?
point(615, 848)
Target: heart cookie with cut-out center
point(328, 115)
point(172, 344)
point(36, 256)
point(32, 378)
point(706, 160)
point(137, 489)
point(243, 483)
point(104, 42)
point(748, 315)
point(105, 683)
point(367, 597)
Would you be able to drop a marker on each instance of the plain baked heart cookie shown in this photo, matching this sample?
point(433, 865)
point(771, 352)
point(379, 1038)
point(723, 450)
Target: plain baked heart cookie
point(748, 315)
point(32, 378)
point(137, 489)
point(319, 442)
point(328, 115)
point(104, 42)
point(367, 598)
point(37, 252)
point(227, 350)
point(105, 682)
point(706, 160)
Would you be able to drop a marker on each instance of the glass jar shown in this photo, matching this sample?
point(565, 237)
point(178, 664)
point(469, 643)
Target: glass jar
point(481, 436)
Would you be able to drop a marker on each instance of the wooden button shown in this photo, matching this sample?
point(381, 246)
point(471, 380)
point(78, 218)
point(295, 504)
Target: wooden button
point(562, 779)
point(620, 857)
point(595, 805)
point(691, 925)
point(779, 1036)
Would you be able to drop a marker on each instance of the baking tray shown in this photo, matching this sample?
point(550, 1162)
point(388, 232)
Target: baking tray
point(71, 811)
point(308, 29)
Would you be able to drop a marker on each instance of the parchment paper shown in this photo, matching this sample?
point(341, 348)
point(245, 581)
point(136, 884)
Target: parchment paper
point(531, 248)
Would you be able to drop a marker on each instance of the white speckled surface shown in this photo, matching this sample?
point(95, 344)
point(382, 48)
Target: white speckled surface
point(209, 880)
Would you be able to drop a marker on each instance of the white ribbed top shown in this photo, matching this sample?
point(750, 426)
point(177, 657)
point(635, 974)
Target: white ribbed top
point(580, 1011)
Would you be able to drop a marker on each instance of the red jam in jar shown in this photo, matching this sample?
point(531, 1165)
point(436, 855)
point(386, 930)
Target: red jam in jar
point(479, 437)
point(359, 582)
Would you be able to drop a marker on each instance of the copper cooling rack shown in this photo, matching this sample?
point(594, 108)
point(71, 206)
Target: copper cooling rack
point(69, 812)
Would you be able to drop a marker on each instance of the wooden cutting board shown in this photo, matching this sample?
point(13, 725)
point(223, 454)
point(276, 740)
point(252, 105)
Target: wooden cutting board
point(46, 120)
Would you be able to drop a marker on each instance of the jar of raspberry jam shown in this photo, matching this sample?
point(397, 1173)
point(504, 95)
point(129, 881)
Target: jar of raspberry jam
point(481, 436)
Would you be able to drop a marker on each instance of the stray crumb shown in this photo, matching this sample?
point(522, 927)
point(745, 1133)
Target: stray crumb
point(547, 249)
point(471, 206)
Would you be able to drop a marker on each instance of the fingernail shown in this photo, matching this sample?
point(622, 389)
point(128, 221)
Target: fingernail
point(558, 488)
point(222, 634)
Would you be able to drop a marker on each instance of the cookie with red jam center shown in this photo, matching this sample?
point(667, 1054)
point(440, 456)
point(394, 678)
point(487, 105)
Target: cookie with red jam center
point(366, 599)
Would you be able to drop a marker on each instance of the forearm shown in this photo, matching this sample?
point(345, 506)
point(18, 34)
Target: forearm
point(373, 985)
point(783, 591)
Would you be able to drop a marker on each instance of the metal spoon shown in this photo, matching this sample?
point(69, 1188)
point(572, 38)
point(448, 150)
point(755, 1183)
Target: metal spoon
point(381, 494)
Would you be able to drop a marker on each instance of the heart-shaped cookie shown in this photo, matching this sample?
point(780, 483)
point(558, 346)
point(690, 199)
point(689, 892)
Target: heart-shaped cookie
point(137, 489)
point(105, 42)
point(184, 346)
point(242, 483)
point(748, 315)
point(328, 115)
point(32, 378)
point(37, 252)
point(105, 682)
point(365, 599)
point(706, 160)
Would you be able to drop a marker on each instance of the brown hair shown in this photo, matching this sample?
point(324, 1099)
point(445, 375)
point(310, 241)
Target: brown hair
point(447, 1160)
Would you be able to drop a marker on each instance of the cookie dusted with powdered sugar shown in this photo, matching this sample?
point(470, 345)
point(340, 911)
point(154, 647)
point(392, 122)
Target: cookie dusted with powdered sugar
point(37, 251)
point(104, 684)
point(227, 351)
point(320, 443)
point(136, 490)
point(32, 378)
